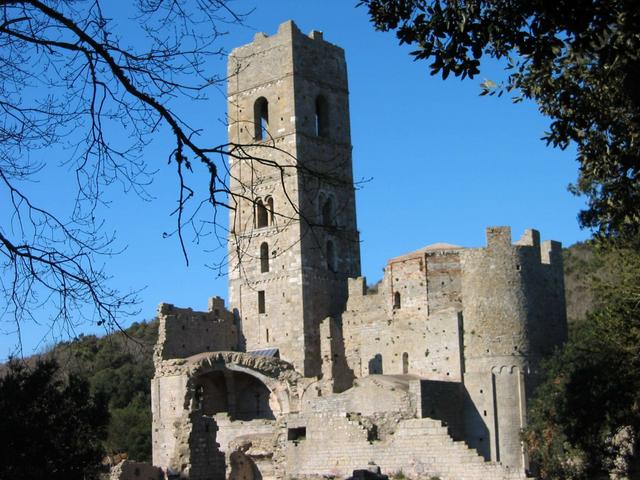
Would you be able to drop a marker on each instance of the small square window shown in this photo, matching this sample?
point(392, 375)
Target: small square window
point(297, 434)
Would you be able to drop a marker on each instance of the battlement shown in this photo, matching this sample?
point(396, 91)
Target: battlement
point(288, 32)
point(357, 287)
point(549, 251)
point(287, 28)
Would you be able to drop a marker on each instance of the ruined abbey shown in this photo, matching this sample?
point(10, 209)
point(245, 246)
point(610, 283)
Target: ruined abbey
point(310, 372)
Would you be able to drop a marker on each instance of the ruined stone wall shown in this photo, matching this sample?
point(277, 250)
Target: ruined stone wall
point(183, 332)
point(412, 325)
point(371, 396)
point(170, 423)
point(514, 313)
point(129, 470)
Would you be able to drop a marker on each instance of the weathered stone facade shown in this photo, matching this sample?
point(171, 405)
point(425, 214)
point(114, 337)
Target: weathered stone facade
point(310, 372)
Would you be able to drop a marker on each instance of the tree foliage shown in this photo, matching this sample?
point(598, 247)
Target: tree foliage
point(585, 420)
point(86, 92)
point(53, 427)
point(579, 61)
point(118, 368)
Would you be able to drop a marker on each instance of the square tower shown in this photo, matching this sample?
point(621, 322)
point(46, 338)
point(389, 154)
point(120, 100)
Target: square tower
point(293, 240)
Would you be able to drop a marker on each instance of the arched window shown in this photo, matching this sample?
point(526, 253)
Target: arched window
point(261, 214)
point(331, 256)
point(405, 363)
point(261, 118)
point(269, 205)
point(327, 212)
point(396, 301)
point(264, 257)
point(322, 117)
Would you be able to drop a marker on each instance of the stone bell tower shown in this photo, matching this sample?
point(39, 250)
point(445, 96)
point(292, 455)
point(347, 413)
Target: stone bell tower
point(293, 240)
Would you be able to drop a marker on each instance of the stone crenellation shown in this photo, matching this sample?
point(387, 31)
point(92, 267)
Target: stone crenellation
point(308, 372)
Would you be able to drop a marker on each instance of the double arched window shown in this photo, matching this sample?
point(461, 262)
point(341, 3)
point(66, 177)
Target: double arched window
point(263, 212)
point(322, 117)
point(261, 118)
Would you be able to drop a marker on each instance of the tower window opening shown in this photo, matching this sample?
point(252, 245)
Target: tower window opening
point(405, 363)
point(327, 212)
point(397, 301)
point(262, 308)
point(269, 206)
point(321, 117)
point(262, 214)
point(261, 118)
point(331, 256)
point(264, 257)
point(296, 434)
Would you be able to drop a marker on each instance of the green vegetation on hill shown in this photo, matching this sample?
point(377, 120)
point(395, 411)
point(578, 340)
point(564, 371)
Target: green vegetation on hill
point(52, 425)
point(584, 421)
point(119, 368)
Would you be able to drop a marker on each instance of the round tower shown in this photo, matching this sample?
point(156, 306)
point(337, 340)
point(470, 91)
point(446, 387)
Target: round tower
point(514, 313)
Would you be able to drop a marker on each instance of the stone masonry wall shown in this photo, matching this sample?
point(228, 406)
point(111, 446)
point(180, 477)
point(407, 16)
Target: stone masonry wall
point(513, 315)
point(335, 445)
point(295, 168)
point(183, 332)
point(412, 325)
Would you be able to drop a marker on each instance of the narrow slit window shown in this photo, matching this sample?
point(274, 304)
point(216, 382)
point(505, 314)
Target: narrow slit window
point(405, 363)
point(331, 256)
point(321, 117)
point(397, 301)
point(261, 302)
point(261, 118)
point(264, 257)
point(320, 206)
point(327, 212)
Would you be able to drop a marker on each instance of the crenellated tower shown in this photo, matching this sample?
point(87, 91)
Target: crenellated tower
point(293, 240)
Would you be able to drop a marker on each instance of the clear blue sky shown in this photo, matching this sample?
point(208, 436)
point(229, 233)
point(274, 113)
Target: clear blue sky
point(444, 163)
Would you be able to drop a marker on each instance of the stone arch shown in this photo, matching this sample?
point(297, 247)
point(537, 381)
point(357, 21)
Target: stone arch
point(278, 376)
